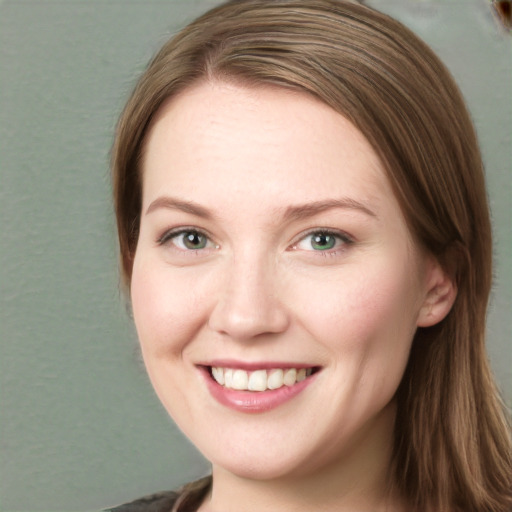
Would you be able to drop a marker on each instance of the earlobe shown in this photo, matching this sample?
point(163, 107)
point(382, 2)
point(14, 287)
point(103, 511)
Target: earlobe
point(441, 292)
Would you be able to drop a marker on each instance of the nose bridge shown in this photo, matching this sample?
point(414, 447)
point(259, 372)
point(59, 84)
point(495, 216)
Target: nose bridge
point(248, 302)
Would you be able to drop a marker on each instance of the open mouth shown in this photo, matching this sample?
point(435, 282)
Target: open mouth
point(259, 380)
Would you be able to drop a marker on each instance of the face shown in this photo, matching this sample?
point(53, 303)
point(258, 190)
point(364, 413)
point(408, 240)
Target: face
point(275, 286)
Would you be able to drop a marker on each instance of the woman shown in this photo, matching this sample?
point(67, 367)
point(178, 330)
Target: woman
point(305, 235)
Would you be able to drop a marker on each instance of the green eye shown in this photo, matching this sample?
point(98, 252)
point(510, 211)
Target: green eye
point(322, 241)
point(192, 240)
point(187, 240)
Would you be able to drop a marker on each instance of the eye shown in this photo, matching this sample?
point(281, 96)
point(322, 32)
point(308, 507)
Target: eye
point(187, 239)
point(323, 241)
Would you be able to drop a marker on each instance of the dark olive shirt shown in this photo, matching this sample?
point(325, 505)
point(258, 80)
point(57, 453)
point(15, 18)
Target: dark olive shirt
point(186, 499)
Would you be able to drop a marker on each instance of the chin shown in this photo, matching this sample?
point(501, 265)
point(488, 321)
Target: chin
point(260, 468)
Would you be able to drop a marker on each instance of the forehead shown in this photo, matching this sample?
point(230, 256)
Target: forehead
point(216, 139)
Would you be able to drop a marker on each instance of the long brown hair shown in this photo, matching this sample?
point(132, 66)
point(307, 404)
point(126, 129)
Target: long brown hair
point(452, 446)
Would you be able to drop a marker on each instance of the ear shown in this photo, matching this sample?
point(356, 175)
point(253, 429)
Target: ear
point(441, 291)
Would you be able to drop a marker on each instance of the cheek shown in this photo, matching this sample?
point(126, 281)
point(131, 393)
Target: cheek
point(370, 313)
point(165, 311)
point(167, 315)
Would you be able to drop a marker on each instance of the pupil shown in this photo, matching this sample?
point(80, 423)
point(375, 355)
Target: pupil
point(194, 241)
point(323, 241)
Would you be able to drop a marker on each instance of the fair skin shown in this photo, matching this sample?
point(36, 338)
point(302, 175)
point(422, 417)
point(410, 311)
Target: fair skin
point(270, 240)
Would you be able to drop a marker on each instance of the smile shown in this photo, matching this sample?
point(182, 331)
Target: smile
point(259, 380)
point(253, 388)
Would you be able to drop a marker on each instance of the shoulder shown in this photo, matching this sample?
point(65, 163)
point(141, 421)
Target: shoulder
point(158, 502)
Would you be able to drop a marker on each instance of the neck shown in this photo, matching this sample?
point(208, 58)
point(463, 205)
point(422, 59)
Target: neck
point(358, 482)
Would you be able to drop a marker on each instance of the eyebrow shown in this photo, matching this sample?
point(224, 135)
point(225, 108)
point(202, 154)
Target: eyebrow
point(178, 204)
point(291, 213)
point(299, 212)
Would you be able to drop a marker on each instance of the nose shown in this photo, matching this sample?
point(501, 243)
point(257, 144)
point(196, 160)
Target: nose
point(248, 305)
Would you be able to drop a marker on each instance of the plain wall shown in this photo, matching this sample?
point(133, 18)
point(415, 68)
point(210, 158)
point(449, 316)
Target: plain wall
point(81, 428)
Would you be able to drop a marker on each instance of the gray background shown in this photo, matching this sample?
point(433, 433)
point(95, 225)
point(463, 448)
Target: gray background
point(80, 426)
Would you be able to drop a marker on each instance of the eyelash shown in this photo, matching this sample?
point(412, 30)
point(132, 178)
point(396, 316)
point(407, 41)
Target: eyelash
point(339, 236)
point(168, 236)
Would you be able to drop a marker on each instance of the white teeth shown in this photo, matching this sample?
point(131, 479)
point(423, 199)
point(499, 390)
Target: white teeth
point(275, 379)
point(228, 378)
point(259, 380)
point(240, 379)
point(218, 375)
point(290, 377)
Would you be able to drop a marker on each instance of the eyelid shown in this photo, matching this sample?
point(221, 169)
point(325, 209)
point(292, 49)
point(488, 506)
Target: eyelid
point(169, 234)
point(345, 238)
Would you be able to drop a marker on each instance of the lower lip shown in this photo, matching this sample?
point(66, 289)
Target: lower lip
point(254, 401)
